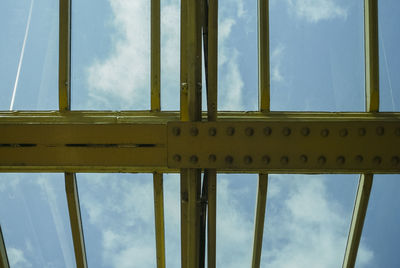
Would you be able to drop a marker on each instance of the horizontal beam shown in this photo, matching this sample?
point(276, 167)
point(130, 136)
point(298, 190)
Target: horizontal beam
point(237, 142)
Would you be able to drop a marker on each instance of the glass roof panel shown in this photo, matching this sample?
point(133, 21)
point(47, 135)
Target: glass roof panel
point(389, 58)
point(29, 55)
point(317, 55)
point(35, 222)
point(111, 55)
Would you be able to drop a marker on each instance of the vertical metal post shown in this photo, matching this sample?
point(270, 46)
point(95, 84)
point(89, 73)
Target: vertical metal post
point(3, 252)
point(159, 218)
point(371, 42)
point(155, 56)
point(64, 61)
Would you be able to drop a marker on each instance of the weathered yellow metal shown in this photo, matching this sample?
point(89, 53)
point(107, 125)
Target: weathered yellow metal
point(71, 189)
point(159, 218)
point(3, 252)
point(155, 72)
point(64, 61)
point(263, 56)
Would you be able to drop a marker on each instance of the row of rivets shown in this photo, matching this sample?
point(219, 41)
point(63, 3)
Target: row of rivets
point(286, 131)
point(340, 160)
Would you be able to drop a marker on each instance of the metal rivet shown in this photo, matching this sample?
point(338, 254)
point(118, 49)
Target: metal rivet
point(397, 132)
point(265, 159)
point(343, 132)
point(321, 160)
point(249, 131)
point(395, 160)
point(229, 159)
point(194, 131)
point(362, 132)
point(267, 131)
point(325, 132)
point(305, 131)
point(286, 131)
point(380, 131)
point(176, 131)
point(377, 160)
point(359, 158)
point(284, 160)
point(194, 159)
point(177, 158)
point(212, 158)
point(303, 158)
point(230, 131)
point(212, 131)
point(247, 159)
point(340, 160)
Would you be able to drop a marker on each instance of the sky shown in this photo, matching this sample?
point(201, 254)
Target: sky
point(317, 64)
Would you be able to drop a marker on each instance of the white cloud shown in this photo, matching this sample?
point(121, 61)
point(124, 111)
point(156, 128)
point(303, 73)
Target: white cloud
point(317, 10)
point(276, 59)
point(17, 258)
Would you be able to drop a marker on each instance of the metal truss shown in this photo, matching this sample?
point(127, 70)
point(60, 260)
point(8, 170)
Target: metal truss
point(194, 143)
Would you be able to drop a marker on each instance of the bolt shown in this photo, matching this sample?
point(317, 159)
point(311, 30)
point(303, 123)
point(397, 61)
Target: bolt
point(267, 131)
point(284, 160)
point(286, 131)
point(305, 131)
point(212, 131)
point(177, 158)
point(248, 159)
point(194, 159)
point(321, 160)
point(249, 131)
point(343, 132)
point(340, 160)
point(212, 158)
point(359, 158)
point(362, 132)
point(303, 158)
point(380, 131)
point(176, 131)
point(230, 131)
point(377, 160)
point(229, 159)
point(194, 131)
point(325, 132)
point(395, 160)
point(266, 159)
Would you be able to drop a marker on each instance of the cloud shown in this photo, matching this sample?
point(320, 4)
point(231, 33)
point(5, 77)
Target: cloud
point(317, 10)
point(276, 59)
point(16, 258)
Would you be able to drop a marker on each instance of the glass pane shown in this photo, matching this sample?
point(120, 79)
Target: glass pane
point(237, 55)
point(118, 219)
point(111, 55)
point(381, 228)
point(35, 222)
point(389, 61)
point(307, 220)
point(29, 55)
point(317, 55)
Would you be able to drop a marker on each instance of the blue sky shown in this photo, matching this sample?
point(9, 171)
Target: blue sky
point(317, 64)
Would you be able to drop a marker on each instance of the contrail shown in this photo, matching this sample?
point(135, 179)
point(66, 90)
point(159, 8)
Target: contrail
point(22, 56)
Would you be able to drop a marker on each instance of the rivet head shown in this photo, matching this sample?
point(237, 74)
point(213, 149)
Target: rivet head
point(194, 131)
point(177, 158)
point(362, 132)
point(303, 158)
point(321, 160)
point(247, 160)
point(212, 131)
point(397, 132)
point(229, 159)
point(325, 132)
point(230, 131)
point(266, 160)
point(249, 131)
point(359, 158)
point(340, 160)
point(286, 131)
point(176, 131)
point(380, 131)
point(267, 131)
point(343, 132)
point(194, 159)
point(395, 160)
point(305, 131)
point(212, 158)
point(284, 160)
point(377, 160)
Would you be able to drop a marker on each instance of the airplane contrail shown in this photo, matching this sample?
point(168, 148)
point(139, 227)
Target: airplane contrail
point(21, 56)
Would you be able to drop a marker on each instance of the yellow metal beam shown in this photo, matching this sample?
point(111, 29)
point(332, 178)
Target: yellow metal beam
point(64, 61)
point(263, 56)
point(155, 56)
point(71, 189)
point(3, 252)
point(159, 218)
point(212, 216)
